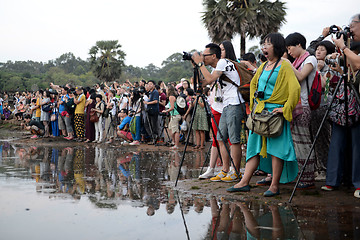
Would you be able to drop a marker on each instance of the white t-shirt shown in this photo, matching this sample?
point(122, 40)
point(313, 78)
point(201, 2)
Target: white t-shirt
point(123, 102)
point(230, 93)
point(113, 110)
point(216, 105)
point(310, 79)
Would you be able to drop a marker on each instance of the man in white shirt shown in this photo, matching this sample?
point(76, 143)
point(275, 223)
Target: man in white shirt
point(234, 108)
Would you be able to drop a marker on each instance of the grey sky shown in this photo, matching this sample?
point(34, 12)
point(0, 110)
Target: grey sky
point(149, 31)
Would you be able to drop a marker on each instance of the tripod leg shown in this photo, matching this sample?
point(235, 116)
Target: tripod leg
point(187, 139)
point(315, 139)
point(150, 127)
point(226, 148)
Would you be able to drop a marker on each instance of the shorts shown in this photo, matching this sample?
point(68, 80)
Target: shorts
point(230, 123)
point(127, 134)
point(61, 121)
point(174, 123)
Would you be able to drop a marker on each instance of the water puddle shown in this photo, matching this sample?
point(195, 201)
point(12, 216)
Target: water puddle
point(111, 193)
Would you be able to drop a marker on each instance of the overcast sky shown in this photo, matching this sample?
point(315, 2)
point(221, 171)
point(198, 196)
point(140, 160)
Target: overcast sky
point(148, 30)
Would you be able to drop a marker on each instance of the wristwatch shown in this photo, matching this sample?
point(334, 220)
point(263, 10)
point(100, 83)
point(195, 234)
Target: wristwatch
point(200, 64)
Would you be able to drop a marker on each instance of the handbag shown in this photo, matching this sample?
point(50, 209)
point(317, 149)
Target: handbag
point(266, 124)
point(46, 107)
point(183, 126)
point(53, 117)
point(339, 114)
point(93, 117)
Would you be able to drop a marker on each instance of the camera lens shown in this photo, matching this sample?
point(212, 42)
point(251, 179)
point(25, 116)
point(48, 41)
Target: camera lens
point(187, 56)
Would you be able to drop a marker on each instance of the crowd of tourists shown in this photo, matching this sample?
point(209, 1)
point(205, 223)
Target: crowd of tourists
point(154, 112)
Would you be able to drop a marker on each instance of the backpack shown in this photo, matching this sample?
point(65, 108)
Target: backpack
point(181, 105)
point(70, 106)
point(314, 93)
point(46, 107)
point(245, 79)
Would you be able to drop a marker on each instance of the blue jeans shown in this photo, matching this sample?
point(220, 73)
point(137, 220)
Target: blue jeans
point(336, 157)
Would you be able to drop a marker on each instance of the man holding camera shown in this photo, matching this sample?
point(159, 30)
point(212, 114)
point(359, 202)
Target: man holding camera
point(346, 123)
point(153, 109)
point(234, 109)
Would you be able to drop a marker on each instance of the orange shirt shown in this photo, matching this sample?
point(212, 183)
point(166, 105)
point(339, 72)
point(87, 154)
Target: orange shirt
point(38, 110)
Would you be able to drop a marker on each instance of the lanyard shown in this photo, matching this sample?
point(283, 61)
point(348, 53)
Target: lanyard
point(257, 85)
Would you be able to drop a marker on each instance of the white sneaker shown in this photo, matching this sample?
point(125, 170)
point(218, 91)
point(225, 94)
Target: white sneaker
point(208, 174)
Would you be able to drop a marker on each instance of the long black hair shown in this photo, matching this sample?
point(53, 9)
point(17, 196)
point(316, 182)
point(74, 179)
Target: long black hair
point(229, 50)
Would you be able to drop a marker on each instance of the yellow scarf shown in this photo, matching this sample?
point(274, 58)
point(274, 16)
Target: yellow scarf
point(286, 92)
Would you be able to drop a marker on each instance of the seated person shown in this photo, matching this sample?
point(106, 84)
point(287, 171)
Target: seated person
point(35, 127)
point(123, 130)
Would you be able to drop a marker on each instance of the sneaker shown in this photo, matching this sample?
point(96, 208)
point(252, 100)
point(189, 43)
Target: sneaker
point(357, 193)
point(305, 186)
point(264, 182)
point(134, 143)
point(218, 177)
point(35, 136)
point(208, 174)
point(327, 188)
point(231, 177)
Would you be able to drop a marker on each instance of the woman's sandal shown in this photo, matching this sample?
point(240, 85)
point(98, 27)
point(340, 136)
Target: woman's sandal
point(259, 173)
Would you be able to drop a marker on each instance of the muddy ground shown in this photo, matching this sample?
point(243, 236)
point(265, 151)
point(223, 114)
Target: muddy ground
point(315, 198)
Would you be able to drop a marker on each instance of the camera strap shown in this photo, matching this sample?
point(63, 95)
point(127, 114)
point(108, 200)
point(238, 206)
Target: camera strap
point(257, 85)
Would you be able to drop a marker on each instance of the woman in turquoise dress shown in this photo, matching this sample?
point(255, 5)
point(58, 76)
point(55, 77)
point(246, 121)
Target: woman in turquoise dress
point(281, 89)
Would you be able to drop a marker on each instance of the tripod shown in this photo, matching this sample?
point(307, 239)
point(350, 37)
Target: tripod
point(164, 128)
point(209, 114)
point(345, 78)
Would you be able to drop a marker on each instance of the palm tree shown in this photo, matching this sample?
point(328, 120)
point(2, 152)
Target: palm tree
point(107, 60)
point(249, 18)
point(219, 23)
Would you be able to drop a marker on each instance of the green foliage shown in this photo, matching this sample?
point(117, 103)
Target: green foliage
point(107, 60)
point(252, 18)
point(30, 75)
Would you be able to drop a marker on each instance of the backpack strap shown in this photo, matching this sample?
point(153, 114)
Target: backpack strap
point(307, 77)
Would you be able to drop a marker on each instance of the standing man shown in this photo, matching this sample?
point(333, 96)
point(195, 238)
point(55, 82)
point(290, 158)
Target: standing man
point(234, 108)
point(153, 109)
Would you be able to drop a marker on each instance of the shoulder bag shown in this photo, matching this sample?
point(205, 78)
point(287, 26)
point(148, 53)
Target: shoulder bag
point(266, 124)
point(94, 117)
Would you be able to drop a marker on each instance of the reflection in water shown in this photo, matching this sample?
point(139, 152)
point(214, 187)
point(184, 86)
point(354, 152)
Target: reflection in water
point(111, 178)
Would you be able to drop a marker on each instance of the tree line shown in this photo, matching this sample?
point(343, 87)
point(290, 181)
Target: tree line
point(31, 75)
point(223, 19)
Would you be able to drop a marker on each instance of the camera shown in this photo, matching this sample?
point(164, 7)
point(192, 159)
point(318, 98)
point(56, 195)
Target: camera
point(333, 61)
point(338, 33)
point(164, 114)
point(187, 56)
point(218, 99)
point(259, 94)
